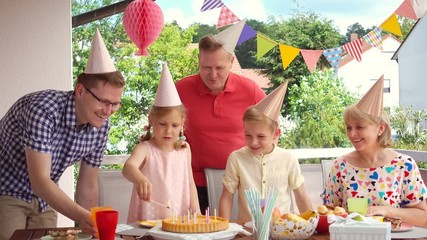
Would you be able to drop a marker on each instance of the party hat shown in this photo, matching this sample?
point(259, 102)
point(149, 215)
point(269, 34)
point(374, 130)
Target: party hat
point(272, 103)
point(99, 60)
point(372, 102)
point(229, 37)
point(166, 95)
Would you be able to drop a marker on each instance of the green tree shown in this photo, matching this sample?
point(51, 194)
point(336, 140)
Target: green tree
point(358, 29)
point(407, 123)
point(317, 105)
point(203, 30)
point(303, 31)
point(141, 72)
point(406, 26)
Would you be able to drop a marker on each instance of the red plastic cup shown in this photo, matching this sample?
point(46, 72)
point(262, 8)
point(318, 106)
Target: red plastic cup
point(106, 221)
point(323, 225)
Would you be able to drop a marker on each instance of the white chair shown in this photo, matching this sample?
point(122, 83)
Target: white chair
point(312, 184)
point(326, 169)
point(115, 191)
point(214, 185)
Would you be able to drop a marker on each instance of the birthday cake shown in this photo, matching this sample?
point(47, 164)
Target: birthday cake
point(199, 225)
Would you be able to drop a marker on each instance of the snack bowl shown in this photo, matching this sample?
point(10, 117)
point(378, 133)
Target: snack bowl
point(285, 228)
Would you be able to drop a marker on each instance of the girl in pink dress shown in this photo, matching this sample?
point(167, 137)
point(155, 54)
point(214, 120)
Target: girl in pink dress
point(160, 165)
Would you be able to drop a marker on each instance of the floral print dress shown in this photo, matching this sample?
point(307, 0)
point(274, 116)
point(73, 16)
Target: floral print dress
point(397, 184)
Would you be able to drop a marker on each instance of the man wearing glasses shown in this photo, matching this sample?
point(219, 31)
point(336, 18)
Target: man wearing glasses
point(44, 133)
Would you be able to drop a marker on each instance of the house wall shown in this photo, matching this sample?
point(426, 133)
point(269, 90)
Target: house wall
point(35, 46)
point(358, 77)
point(412, 58)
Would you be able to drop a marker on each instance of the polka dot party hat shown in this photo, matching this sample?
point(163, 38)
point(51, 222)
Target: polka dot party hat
point(99, 60)
point(166, 95)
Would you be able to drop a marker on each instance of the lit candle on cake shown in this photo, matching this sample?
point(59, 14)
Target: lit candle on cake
point(207, 215)
point(215, 214)
point(173, 216)
point(183, 216)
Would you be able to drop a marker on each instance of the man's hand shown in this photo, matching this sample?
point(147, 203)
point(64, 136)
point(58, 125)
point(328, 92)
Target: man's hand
point(86, 224)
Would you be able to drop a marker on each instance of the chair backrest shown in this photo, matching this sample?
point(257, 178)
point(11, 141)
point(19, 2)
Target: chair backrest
point(115, 191)
point(312, 184)
point(326, 169)
point(215, 187)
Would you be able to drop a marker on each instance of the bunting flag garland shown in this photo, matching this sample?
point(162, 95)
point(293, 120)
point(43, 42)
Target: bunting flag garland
point(333, 55)
point(406, 10)
point(311, 57)
point(374, 38)
point(226, 17)
point(288, 54)
point(247, 33)
point(211, 4)
point(392, 25)
point(264, 45)
point(354, 48)
point(413, 9)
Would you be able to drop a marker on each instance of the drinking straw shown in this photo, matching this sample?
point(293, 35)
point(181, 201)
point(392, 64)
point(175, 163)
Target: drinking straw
point(268, 211)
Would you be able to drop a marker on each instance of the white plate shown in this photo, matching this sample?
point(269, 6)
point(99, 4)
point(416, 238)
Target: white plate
point(403, 227)
point(158, 234)
point(81, 236)
point(162, 237)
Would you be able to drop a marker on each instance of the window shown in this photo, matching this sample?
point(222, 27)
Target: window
point(387, 88)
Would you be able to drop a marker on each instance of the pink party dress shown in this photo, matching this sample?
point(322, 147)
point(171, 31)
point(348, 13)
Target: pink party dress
point(168, 173)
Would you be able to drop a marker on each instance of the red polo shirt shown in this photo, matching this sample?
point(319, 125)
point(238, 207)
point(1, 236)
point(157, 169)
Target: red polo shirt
point(214, 125)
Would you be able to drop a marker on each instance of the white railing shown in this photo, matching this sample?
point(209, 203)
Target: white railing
point(308, 153)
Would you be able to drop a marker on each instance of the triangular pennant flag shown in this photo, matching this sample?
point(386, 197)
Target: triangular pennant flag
point(264, 45)
point(372, 102)
point(406, 10)
point(211, 4)
point(354, 48)
point(333, 55)
point(288, 54)
point(228, 37)
point(420, 7)
point(311, 57)
point(271, 104)
point(226, 17)
point(392, 25)
point(247, 33)
point(374, 38)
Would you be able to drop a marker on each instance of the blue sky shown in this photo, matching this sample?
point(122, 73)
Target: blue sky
point(342, 12)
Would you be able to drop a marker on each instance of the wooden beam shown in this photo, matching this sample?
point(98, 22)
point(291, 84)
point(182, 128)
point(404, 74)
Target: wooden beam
point(100, 13)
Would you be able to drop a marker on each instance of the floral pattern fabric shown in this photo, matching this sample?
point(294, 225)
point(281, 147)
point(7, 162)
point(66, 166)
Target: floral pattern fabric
point(397, 184)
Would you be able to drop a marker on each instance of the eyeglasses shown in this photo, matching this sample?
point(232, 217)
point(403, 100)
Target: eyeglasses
point(114, 106)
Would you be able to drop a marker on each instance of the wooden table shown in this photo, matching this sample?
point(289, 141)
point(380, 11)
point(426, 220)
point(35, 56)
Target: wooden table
point(28, 234)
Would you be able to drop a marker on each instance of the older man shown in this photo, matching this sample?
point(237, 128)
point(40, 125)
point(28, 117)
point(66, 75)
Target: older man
point(216, 99)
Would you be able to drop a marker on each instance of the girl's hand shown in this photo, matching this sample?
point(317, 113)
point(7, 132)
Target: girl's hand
point(144, 189)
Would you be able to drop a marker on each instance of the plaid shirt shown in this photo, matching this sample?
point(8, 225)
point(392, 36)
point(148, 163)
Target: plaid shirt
point(45, 121)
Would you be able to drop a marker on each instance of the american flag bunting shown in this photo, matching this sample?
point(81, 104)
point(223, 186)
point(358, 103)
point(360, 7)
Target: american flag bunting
point(354, 48)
